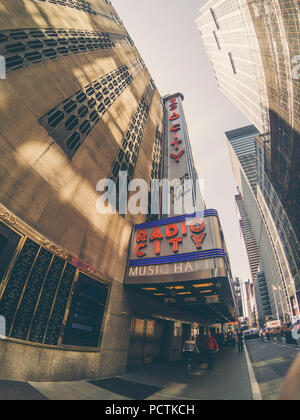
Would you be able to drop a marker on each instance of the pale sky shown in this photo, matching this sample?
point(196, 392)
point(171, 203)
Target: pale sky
point(166, 35)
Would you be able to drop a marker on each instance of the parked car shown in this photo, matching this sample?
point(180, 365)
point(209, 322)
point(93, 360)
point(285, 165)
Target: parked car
point(251, 334)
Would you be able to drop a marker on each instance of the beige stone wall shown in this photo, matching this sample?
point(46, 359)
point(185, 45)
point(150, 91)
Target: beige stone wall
point(57, 196)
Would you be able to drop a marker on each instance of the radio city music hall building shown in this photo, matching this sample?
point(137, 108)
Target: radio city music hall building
point(87, 295)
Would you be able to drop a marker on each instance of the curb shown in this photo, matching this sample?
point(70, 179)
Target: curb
point(254, 384)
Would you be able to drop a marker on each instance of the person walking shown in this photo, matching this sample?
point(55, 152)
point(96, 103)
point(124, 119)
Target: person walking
point(190, 348)
point(262, 335)
point(240, 340)
point(232, 342)
point(211, 347)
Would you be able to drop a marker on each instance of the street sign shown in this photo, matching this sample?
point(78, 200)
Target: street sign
point(274, 324)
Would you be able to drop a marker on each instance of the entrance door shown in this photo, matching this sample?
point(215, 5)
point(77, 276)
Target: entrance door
point(146, 342)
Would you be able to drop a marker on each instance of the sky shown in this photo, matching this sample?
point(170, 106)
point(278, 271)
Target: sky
point(166, 36)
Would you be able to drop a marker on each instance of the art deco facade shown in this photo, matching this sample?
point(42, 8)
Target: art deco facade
point(77, 106)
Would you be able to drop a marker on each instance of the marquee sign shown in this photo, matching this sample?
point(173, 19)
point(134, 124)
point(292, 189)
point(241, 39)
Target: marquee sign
point(189, 247)
point(178, 143)
point(178, 164)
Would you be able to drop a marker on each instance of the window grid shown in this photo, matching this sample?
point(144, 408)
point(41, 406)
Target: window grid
point(23, 47)
point(70, 122)
point(83, 6)
point(127, 155)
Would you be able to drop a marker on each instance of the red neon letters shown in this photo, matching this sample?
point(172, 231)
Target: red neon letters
point(199, 240)
point(139, 253)
point(174, 130)
point(175, 234)
point(177, 157)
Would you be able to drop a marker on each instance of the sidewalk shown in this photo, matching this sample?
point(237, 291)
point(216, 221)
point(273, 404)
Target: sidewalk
point(229, 380)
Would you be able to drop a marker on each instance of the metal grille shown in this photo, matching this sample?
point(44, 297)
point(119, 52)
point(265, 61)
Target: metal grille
point(38, 291)
point(127, 155)
point(70, 122)
point(81, 5)
point(157, 156)
point(24, 47)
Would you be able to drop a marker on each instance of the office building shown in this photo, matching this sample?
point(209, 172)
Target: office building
point(253, 47)
point(238, 296)
point(248, 236)
point(228, 36)
point(254, 201)
point(262, 296)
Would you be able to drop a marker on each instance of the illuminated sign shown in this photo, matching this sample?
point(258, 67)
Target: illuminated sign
point(189, 247)
point(176, 142)
point(177, 139)
point(179, 164)
point(174, 234)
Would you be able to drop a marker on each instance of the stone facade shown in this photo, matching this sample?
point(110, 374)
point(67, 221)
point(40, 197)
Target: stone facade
point(52, 195)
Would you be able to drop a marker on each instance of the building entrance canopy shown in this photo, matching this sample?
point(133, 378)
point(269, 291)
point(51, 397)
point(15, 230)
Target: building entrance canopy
point(183, 261)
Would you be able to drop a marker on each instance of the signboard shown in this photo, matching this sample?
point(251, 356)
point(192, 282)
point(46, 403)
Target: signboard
point(177, 141)
point(273, 324)
point(179, 163)
point(188, 247)
point(86, 314)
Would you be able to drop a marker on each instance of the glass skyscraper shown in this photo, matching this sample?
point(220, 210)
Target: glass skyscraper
point(229, 38)
point(253, 47)
point(278, 252)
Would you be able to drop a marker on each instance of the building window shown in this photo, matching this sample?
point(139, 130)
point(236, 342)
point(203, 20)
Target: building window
point(86, 314)
point(217, 40)
point(157, 156)
point(127, 155)
point(39, 291)
point(82, 6)
point(8, 243)
point(23, 47)
point(214, 18)
point(70, 122)
point(232, 62)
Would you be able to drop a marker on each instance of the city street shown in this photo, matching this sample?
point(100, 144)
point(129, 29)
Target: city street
point(271, 362)
point(231, 379)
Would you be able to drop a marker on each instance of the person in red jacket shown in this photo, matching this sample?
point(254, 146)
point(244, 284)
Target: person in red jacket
point(211, 347)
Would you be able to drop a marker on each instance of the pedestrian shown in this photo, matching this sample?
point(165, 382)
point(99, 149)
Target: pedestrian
point(262, 335)
point(232, 344)
point(240, 340)
point(190, 349)
point(211, 347)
